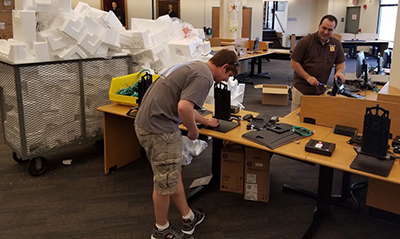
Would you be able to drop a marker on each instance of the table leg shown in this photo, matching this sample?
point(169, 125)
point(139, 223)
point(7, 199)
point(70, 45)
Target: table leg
point(253, 62)
point(323, 199)
point(216, 159)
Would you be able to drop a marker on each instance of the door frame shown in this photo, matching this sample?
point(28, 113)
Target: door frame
point(359, 14)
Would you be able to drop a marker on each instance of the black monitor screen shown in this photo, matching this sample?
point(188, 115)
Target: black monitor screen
point(360, 60)
point(387, 58)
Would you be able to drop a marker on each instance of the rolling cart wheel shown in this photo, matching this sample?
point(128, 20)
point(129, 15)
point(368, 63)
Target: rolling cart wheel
point(37, 166)
point(18, 160)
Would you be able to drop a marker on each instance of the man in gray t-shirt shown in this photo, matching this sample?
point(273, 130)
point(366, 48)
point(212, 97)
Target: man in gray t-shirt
point(173, 99)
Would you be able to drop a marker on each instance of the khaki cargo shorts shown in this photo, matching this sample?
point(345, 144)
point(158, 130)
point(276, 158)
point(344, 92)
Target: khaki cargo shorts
point(164, 152)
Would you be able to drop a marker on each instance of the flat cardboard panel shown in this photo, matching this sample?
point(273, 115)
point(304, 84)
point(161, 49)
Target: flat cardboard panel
point(383, 195)
point(389, 93)
point(232, 167)
point(257, 164)
point(330, 111)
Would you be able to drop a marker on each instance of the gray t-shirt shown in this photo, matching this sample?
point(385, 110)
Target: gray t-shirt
point(158, 112)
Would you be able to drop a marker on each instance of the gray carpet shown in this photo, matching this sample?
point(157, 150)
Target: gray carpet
point(79, 201)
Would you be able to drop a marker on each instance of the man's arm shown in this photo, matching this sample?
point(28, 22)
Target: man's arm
point(187, 115)
point(300, 70)
point(206, 121)
point(340, 70)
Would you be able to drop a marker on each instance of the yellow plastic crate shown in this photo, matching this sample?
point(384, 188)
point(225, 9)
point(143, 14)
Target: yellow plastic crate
point(119, 83)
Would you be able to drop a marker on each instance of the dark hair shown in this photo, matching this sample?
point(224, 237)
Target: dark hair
point(331, 18)
point(226, 56)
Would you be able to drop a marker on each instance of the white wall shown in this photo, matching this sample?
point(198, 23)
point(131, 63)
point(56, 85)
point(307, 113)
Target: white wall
point(369, 16)
point(92, 3)
point(192, 11)
point(394, 71)
point(301, 19)
point(256, 17)
point(303, 15)
point(338, 9)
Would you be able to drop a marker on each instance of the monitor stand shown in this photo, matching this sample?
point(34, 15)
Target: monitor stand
point(222, 105)
point(373, 157)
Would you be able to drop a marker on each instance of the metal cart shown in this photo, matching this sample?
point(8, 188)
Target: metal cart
point(50, 105)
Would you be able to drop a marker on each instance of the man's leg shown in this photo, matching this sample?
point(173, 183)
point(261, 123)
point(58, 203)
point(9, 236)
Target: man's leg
point(179, 198)
point(161, 206)
point(296, 99)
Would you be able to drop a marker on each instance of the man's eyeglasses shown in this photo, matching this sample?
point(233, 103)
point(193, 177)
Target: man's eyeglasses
point(234, 64)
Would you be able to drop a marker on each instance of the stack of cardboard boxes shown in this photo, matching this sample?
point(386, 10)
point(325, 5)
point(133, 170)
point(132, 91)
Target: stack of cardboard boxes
point(6, 29)
point(245, 170)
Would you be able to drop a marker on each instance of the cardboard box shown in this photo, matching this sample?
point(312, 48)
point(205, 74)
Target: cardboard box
point(256, 175)
point(6, 27)
point(232, 168)
point(5, 16)
point(274, 94)
point(7, 4)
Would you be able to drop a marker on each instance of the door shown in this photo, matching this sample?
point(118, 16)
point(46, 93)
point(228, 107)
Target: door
point(352, 20)
point(246, 22)
point(215, 22)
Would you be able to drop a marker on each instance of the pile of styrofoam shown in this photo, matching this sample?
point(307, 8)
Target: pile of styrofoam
point(159, 44)
point(48, 30)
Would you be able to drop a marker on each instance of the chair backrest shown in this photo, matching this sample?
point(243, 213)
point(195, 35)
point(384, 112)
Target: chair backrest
point(215, 42)
point(337, 36)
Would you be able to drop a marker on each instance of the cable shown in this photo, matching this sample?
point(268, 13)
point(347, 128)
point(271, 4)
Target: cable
point(301, 130)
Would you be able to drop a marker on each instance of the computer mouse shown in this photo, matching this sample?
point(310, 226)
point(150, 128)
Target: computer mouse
point(248, 117)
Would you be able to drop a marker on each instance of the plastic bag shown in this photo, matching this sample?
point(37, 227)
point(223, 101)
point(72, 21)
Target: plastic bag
point(192, 148)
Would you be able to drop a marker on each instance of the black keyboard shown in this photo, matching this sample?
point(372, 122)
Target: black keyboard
point(259, 122)
point(351, 94)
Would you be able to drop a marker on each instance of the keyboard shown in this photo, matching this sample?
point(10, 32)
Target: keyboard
point(259, 122)
point(351, 94)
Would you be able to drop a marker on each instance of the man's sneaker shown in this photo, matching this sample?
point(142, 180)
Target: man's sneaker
point(189, 226)
point(169, 233)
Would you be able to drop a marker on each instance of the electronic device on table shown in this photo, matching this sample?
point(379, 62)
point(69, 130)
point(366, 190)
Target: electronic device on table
point(387, 58)
point(362, 72)
point(143, 85)
point(222, 99)
point(259, 122)
point(373, 156)
point(338, 88)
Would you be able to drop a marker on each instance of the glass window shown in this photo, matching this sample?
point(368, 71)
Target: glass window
point(389, 2)
point(387, 23)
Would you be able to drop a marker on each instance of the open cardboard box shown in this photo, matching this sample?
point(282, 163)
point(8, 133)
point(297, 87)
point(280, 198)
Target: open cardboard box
point(274, 94)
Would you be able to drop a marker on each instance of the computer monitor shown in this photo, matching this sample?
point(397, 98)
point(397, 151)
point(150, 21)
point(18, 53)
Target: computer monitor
point(387, 58)
point(360, 60)
point(379, 67)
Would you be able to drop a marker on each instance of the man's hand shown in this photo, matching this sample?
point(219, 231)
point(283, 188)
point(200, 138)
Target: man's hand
point(340, 75)
point(213, 122)
point(193, 134)
point(312, 80)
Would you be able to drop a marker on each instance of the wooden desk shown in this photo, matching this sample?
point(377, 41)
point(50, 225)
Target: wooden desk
point(256, 58)
point(121, 145)
point(352, 45)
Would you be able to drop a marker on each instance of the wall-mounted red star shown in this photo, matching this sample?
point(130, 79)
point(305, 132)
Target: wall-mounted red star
point(234, 7)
